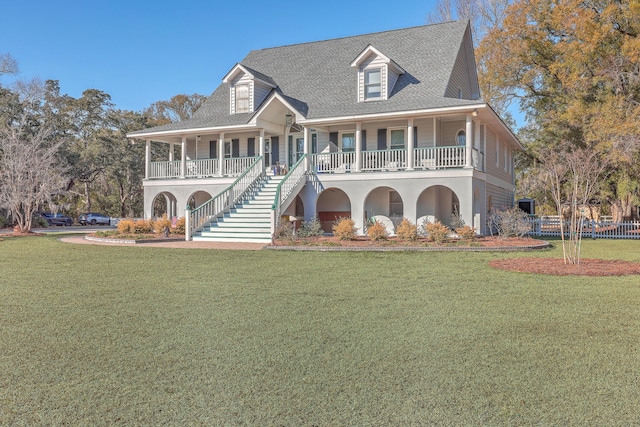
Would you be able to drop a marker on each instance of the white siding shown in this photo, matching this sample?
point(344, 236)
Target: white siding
point(260, 93)
point(424, 138)
point(371, 63)
point(463, 76)
point(448, 132)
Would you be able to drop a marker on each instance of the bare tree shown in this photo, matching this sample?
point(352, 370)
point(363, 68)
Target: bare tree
point(571, 176)
point(8, 65)
point(30, 171)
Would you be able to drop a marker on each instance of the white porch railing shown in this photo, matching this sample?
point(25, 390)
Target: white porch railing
point(224, 201)
point(393, 160)
point(384, 160)
point(439, 157)
point(204, 167)
point(236, 165)
point(233, 166)
point(165, 169)
point(333, 162)
point(288, 184)
point(550, 226)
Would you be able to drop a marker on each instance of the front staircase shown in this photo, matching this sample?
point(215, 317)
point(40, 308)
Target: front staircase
point(247, 222)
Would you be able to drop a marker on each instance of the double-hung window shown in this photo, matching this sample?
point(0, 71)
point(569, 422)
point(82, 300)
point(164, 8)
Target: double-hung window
point(348, 142)
point(372, 84)
point(227, 149)
point(242, 98)
point(396, 137)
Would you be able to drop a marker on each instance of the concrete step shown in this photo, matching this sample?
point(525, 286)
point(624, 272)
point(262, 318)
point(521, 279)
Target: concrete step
point(232, 239)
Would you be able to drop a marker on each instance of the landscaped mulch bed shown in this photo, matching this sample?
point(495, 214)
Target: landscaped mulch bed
point(327, 243)
point(557, 267)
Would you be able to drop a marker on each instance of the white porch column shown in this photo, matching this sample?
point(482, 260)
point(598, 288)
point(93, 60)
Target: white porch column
point(410, 145)
point(288, 160)
point(183, 159)
point(307, 149)
point(171, 150)
point(476, 143)
point(468, 134)
point(358, 146)
point(221, 154)
point(261, 148)
point(147, 159)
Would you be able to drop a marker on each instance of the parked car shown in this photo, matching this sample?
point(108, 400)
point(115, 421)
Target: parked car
point(56, 219)
point(94, 218)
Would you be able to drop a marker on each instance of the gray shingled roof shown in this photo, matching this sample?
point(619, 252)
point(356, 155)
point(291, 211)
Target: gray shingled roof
point(319, 76)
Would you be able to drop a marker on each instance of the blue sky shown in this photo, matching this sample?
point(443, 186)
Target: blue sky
point(140, 52)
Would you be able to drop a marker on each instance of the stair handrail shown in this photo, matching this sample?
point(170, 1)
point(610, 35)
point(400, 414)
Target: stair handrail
point(223, 201)
point(284, 189)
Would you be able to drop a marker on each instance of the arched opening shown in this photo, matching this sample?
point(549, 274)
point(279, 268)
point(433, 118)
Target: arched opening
point(164, 203)
point(332, 204)
point(385, 205)
point(197, 199)
point(437, 203)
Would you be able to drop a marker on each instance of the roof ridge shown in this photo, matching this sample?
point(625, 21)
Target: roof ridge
point(358, 35)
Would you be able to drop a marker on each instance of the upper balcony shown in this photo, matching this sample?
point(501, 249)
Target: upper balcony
point(432, 158)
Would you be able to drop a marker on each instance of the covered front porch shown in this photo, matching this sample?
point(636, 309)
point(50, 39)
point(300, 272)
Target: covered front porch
point(400, 144)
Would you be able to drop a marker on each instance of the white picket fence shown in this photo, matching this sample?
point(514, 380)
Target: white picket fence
point(550, 226)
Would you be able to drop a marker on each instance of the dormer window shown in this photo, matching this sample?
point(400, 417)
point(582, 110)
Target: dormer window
point(247, 89)
point(372, 84)
point(377, 75)
point(242, 98)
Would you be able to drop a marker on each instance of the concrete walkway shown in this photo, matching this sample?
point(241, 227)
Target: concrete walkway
point(175, 244)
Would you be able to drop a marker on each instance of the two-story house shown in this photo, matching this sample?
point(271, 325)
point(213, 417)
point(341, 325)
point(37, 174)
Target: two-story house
point(385, 124)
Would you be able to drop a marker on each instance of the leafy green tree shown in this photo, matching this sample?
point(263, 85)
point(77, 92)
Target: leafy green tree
point(574, 67)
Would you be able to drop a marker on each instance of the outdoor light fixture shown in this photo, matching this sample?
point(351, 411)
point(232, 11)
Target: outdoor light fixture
point(288, 120)
point(475, 113)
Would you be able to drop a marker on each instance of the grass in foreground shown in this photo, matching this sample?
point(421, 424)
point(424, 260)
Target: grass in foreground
point(97, 335)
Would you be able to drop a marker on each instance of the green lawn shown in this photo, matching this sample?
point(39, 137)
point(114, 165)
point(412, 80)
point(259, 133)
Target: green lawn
point(102, 335)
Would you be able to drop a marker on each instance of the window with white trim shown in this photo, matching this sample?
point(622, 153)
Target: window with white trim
point(461, 138)
point(347, 142)
point(396, 139)
point(227, 149)
point(242, 98)
point(373, 84)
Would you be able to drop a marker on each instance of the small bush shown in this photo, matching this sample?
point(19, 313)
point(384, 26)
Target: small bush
point(284, 231)
point(180, 227)
point(160, 224)
point(437, 232)
point(456, 220)
point(513, 222)
point(344, 229)
point(143, 226)
point(377, 231)
point(406, 230)
point(125, 226)
point(311, 228)
point(466, 233)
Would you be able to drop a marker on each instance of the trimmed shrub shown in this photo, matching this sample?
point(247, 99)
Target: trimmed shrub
point(143, 226)
point(126, 226)
point(180, 227)
point(377, 231)
point(344, 229)
point(160, 224)
point(437, 232)
point(466, 233)
point(406, 230)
